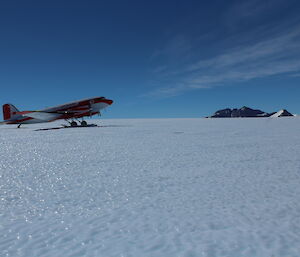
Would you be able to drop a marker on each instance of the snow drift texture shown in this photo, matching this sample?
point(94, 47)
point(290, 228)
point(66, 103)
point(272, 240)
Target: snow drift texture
point(176, 187)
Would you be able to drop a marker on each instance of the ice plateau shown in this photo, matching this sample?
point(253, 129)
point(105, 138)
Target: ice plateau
point(152, 187)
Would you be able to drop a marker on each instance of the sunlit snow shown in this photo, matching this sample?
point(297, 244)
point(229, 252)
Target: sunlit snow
point(156, 187)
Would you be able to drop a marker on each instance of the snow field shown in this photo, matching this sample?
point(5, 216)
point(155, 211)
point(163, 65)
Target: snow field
point(164, 187)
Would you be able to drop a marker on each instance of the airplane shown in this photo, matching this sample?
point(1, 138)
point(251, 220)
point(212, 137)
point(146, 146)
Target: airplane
point(69, 111)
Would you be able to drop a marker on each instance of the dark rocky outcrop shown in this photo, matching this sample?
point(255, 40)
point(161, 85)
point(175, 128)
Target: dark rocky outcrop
point(246, 112)
point(225, 113)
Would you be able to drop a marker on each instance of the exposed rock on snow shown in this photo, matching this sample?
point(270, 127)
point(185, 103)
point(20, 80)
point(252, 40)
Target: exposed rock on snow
point(245, 112)
point(226, 113)
point(281, 113)
point(242, 112)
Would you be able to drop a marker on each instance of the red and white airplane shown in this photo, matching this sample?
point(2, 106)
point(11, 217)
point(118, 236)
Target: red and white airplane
point(69, 112)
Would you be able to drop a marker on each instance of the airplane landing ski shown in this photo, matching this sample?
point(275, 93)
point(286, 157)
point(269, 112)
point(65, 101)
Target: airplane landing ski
point(66, 126)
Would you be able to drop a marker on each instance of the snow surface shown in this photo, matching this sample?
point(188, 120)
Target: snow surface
point(163, 187)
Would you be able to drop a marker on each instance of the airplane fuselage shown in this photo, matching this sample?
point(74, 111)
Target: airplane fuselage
point(72, 110)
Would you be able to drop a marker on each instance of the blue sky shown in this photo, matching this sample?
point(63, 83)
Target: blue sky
point(153, 58)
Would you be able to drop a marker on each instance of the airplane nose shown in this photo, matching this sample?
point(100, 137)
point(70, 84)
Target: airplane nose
point(109, 101)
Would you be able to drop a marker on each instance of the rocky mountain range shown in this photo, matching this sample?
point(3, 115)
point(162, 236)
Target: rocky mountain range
point(246, 112)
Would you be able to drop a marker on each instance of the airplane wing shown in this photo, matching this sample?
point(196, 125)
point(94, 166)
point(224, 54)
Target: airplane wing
point(72, 111)
point(40, 115)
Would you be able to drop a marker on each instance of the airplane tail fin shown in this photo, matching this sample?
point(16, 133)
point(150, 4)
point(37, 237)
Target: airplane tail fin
point(9, 111)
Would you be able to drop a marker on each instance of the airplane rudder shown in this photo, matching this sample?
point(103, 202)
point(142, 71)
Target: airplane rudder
point(9, 111)
point(6, 112)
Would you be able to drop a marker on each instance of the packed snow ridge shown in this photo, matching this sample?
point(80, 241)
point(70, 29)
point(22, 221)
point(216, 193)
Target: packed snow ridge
point(157, 187)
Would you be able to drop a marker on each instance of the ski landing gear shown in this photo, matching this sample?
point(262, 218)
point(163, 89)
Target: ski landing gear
point(73, 123)
point(83, 123)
